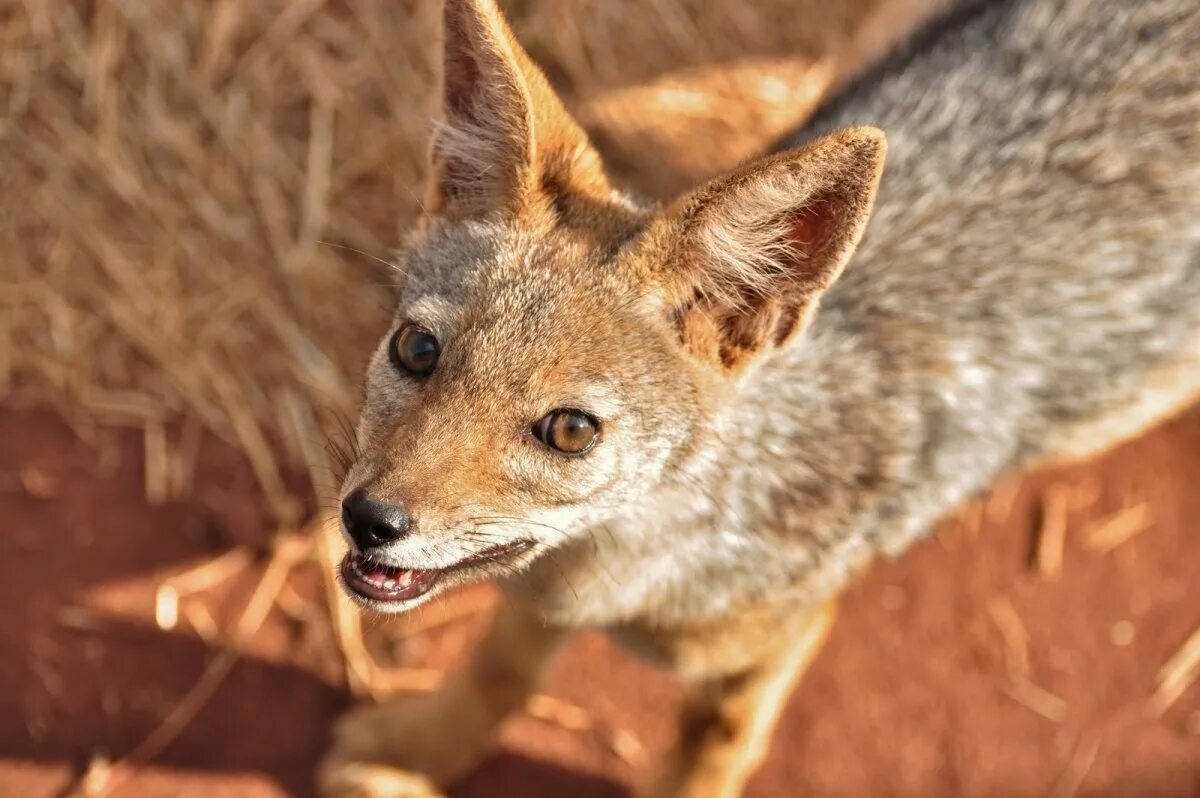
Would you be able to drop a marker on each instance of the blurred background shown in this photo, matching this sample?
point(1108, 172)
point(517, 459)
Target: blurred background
point(196, 202)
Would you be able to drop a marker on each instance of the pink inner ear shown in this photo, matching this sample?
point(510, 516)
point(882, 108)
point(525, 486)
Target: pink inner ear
point(809, 234)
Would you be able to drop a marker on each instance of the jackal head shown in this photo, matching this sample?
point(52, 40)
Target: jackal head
point(558, 351)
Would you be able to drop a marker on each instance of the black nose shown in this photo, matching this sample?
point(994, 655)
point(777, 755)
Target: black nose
point(372, 523)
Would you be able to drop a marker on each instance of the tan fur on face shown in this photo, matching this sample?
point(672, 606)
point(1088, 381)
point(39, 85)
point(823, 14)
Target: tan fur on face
point(516, 314)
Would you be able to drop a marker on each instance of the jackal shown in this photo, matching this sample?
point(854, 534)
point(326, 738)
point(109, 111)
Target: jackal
point(685, 424)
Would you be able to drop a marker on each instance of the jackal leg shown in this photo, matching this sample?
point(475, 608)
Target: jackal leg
point(414, 747)
point(727, 718)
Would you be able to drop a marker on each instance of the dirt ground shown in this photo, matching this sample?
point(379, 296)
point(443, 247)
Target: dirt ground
point(923, 690)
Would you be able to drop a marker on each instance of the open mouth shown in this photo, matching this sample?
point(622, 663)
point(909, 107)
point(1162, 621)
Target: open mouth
point(380, 582)
point(387, 583)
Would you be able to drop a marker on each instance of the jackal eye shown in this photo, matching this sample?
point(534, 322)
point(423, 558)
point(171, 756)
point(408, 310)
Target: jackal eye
point(414, 350)
point(568, 431)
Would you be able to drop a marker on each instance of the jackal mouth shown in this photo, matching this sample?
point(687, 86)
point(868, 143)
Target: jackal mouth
point(366, 578)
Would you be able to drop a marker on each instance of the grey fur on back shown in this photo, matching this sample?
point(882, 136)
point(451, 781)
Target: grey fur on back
point(1029, 284)
point(1039, 221)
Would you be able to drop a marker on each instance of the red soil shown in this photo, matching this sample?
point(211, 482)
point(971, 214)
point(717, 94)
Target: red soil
point(909, 698)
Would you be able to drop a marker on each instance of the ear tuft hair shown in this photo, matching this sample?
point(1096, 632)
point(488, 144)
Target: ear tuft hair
point(754, 250)
point(482, 149)
point(505, 135)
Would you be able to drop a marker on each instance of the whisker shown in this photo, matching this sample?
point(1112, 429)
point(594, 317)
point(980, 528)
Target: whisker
point(501, 519)
point(365, 254)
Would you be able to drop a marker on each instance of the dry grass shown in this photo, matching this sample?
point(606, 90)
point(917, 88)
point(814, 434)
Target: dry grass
point(1053, 534)
point(169, 173)
point(1176, 676)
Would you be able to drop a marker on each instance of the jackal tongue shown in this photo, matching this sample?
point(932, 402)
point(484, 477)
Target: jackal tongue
point(381, 582)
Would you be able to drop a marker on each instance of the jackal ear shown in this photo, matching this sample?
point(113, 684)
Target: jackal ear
point(505, 138)
point(752, 252)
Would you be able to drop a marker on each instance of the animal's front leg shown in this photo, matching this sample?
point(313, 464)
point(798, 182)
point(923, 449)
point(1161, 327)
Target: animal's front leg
point(414, 747)
point(727, 718)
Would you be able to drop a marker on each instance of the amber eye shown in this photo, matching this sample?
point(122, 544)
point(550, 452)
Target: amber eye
point(568, 431)
point(414, 350)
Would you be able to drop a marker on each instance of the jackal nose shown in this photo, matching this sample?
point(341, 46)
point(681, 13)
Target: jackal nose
point(372, 523)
